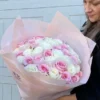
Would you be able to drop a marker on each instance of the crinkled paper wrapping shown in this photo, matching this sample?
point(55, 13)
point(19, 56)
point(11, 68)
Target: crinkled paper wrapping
point(35, 86)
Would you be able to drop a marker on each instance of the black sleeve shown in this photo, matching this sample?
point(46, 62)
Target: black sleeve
point(84, 93)
point(91, 90)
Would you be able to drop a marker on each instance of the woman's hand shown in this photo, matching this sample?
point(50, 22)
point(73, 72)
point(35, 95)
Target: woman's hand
point(70, 97)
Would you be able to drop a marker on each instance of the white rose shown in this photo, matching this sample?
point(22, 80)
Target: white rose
point(45, 45)
point(31, 68)
point(38, 41)
point(20, 59)
point(25, 46)
point(27, 52)
point(71, 69)
point(50, 41)
point(67, 59)
point(50, 58)
point(57, 53)
point(54, 73)
point(78, 69)
point(58, 41)
point(37, 50)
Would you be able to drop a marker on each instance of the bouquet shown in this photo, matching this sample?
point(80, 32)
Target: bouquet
point(47, 60)
point(50, 57)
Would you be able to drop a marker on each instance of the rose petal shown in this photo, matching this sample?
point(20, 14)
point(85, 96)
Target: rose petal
point(20, 59)
point(28, 60)
point(61, 66)
point(66, 52)
point(31, 68)
point(71, 69)
point(43, 68)
point(54, 73)
point(66, 76)
point(75, 78)
point(20, 53)
point(48, 53)
point(80, 74)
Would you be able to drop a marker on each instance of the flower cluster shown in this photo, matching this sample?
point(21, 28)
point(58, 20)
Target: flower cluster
point(51, 57)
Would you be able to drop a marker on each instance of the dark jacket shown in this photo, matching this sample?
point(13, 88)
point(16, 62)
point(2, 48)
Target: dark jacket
point(91, 90)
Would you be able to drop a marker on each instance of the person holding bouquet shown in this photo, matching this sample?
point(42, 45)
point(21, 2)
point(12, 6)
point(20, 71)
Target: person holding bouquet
point(48, 60)
point(91, 29)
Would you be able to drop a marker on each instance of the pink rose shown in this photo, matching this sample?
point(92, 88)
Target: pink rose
point(25, 41)
point(39, 37)
point(58, 47)
point(43, 68)
point(66, 52)
point(64, 46)
point(28, 60)
point(80, 74)
point(31, 41)
point(20, 53)
point(66, 76)
point(61, 66)
point(38, 58)
point(75, 60)
point(75, 78)
point(20, 44)
point(48, 53)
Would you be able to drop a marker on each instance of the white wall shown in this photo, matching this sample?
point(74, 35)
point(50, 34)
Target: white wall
point(34, 9)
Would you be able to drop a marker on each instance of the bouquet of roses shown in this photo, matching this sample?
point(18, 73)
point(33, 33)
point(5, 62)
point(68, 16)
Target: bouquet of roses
point(46, 60)
point(49, 56)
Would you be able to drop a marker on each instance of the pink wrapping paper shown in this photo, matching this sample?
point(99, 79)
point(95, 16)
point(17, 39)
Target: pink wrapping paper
point(35, 86)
